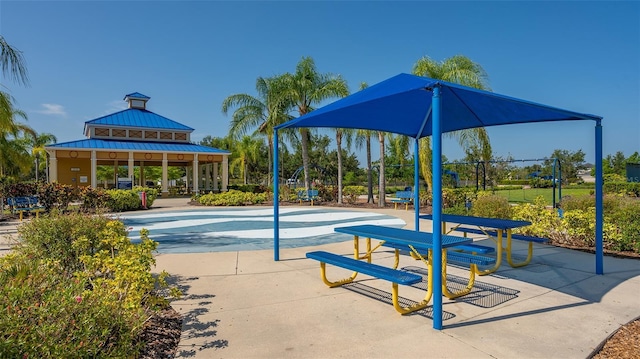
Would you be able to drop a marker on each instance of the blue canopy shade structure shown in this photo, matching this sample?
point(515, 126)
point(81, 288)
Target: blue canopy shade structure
point(417, 107)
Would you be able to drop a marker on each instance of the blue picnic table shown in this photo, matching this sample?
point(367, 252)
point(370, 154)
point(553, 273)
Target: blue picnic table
point(414, 241)
point(494, 228)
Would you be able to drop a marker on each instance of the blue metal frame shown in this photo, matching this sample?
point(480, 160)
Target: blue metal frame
point(435, 113)
point(276, 199)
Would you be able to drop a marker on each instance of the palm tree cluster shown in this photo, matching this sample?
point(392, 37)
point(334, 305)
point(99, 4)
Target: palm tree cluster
point(281, 97)
point(20, 145)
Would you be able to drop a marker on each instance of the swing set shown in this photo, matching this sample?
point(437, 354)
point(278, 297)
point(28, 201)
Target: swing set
point(556, 177)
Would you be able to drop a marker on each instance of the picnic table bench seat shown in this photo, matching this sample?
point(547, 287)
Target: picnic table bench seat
point(374, 270)
point(474, 248)
point(520, 237)
point(405, 197)
point(454, 256)
point(24, 204)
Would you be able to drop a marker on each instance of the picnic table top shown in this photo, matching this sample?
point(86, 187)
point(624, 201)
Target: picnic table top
point(496, 223)
point(417, 239)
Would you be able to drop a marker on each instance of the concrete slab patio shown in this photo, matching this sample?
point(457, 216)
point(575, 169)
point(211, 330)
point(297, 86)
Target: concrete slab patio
point(245, 305)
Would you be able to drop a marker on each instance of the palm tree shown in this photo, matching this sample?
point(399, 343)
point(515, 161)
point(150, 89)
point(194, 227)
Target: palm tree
point(305, 88)
point(365, 135)
point(38, 142)
point(262, 113)
point(462, 70)
point(382, 188)
point(347, 134)
point(247, 151)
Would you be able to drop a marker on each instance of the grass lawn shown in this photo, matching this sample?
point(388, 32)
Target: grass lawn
point(528, 195)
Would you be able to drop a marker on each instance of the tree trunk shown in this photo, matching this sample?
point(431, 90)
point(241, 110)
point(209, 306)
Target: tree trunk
point(381, 185)
point(339, 146)
point(369, 173)
point(304, 134)
point(270, 164)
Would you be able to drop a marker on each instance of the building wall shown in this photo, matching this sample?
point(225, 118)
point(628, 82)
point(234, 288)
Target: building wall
point(74, 171)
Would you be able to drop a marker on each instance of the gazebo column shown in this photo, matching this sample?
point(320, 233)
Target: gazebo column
point(94, 170)
point(215, 177)
point(196, 186)
point(165, 176)
point(207, 176)
point(53, 167)
point(130, 165)
point(115, 173)
point(225, 173)
point(141, 177)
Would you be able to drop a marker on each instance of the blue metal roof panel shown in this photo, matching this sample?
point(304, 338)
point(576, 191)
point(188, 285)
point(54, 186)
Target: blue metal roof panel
point(92, 143)
point(134, 117)
point(137, 95)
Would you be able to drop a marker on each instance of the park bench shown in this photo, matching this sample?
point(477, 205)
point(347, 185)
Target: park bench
point(307, 196)
point(405, 197)
point(520, 237)
point(400, 239)
point(24, 204)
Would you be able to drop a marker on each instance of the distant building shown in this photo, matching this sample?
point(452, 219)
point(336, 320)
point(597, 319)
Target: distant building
point(137, 137)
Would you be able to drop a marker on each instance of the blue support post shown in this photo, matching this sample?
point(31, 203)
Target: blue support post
point(416, 183)
point(436, 170)
point(276, 201)
point(599, 206)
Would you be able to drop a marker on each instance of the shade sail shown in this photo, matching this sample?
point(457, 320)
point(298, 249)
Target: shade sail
point(402, 103)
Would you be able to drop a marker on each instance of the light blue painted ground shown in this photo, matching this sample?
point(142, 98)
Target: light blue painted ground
point(220, 230)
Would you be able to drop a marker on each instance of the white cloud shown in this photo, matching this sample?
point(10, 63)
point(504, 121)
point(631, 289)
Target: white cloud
point(115, 106)
point(53, 109)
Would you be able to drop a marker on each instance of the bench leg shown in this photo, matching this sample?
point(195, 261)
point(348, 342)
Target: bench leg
point(498, 241)
point(323, 273)
point(520, 264)
point(418, 306)
point(21, 212)
point(472, 279)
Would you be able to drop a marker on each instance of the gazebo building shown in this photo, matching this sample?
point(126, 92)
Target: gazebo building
point(136, 137)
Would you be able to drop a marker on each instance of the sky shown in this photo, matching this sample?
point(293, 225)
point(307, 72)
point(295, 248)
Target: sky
point(188, 56)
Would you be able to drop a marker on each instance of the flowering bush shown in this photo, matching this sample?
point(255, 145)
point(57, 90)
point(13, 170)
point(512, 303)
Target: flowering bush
point(350, 193)
point(76, 286)
point(232, 198)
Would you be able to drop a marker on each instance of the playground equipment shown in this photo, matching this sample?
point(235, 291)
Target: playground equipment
point(293, 180)
point(556, 177)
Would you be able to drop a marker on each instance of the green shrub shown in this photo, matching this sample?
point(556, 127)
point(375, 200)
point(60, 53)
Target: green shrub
point(52, 237)
point(55, 195)
point(351, 193)
point(93, 199)
point(492, 206)
point(49, 314)
point(625, 188)
point(76, 286)
point(232, 198)
point(627, 220)
point(152, 194)
point(123, 200)
point(545, 222)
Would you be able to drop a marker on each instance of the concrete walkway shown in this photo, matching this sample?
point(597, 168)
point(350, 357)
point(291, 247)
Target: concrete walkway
point(246, 305)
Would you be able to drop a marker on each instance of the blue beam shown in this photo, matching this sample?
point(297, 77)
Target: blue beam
point(599, 206)
point(416, 182)
point(436, 170)
point(276, 201)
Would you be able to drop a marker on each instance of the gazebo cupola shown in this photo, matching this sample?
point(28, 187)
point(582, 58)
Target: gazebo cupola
point(137, 100)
